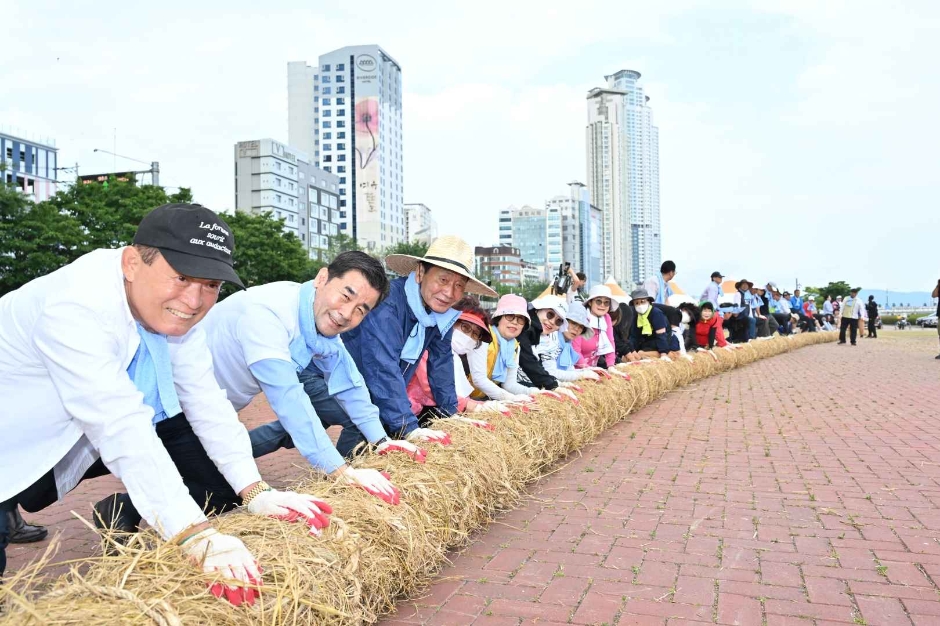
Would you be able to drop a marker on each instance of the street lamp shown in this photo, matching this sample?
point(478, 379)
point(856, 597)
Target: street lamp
point(154, 170)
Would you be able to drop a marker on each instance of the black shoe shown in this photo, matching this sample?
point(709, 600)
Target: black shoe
point(854, 344)
point(116, 514)
point(937, 357)
point(21, 532)
point(841, 343)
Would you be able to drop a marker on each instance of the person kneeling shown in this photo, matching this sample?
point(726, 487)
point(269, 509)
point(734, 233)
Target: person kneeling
point(651, 337)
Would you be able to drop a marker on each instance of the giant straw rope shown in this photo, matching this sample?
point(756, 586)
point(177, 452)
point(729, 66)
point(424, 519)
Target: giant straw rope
point(372, 554)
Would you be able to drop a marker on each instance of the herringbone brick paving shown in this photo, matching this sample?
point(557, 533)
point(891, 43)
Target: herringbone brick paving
point(804, 489)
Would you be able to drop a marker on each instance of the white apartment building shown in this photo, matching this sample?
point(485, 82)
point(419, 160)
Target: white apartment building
point(419, 224)
point(607, 180)
point(276, 178)
point(623, 173)
point(357, 135)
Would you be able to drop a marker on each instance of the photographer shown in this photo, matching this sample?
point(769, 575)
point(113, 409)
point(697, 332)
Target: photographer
point(569, 283)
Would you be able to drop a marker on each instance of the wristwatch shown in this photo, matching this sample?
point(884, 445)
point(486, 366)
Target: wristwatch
point(381, 441)
point(259, 488)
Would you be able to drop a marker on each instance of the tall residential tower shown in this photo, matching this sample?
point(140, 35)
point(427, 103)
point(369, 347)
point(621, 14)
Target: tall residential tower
point(357, 135)
point(623, 176)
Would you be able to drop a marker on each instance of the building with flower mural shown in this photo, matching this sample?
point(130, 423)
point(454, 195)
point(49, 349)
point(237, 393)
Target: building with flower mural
point(356, 116)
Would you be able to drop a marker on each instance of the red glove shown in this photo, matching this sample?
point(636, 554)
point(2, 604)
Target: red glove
point(417, 454)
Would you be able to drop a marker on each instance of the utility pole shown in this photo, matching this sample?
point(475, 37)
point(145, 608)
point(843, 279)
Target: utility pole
point(155, 173)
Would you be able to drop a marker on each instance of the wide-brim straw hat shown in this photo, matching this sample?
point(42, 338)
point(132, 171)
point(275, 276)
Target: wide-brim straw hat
point(449, 252)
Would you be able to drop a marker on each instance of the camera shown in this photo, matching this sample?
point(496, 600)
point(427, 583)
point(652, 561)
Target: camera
point(562, 282)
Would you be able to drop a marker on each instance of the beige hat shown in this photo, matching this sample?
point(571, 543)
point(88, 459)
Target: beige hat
point(449, 252)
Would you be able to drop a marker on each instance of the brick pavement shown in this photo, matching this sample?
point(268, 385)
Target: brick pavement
point(800, 490)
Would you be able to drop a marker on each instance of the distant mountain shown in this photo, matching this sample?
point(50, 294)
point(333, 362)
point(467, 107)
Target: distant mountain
point(901, 298)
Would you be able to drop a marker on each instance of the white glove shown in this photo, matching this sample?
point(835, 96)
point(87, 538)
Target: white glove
point(377, 483)
point(589, 375)
point(290, 506)
point(688, 357)
point(473, 422)
point(225, 556)
point(665, 357)
point(568, 393)
point(429, 435)
point(566, 384)
point(492, 406)
point(399, 445)
point(520, 397)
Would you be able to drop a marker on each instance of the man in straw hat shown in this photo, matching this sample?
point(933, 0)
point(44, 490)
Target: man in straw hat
point(98, 361)
point(416, 317)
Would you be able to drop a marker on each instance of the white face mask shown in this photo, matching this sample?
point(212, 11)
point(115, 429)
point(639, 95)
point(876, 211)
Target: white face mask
point(685, 317)
point(461, 343)
point(642, 308)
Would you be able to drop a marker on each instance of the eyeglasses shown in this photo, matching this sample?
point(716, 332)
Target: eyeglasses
point(471, 330)
point(515, 319)
point(551, 315)
point(601, 301)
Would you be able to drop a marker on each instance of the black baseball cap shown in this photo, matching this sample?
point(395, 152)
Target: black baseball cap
point(194, 241)
point(717, 275)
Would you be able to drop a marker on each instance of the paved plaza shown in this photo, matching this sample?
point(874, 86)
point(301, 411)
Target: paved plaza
point(803, 489)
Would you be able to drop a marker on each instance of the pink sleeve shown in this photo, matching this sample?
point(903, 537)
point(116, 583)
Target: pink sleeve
point(462, 404)
point(611, 357)
point(419, 389)
point(576, 343)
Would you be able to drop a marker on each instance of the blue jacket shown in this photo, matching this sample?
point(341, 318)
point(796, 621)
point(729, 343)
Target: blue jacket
point(375, 345)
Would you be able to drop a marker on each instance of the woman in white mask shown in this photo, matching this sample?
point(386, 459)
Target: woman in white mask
point(471, 332)
point(651, 336)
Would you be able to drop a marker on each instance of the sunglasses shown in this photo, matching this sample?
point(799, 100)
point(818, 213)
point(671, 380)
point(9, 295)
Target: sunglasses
point(551, 315)
point(601, 301)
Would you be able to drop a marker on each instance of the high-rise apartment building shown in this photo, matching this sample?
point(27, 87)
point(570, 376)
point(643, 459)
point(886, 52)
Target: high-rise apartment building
point(526, 228)
point(276, 178)
point(357, 135)
point(623, 176)
point(30, 164)
point(419, 224)
point(581, 228)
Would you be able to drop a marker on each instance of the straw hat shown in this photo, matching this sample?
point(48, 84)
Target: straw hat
point(448, 252)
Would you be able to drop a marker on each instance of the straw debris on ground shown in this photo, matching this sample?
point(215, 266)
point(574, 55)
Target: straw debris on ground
point(373, 554)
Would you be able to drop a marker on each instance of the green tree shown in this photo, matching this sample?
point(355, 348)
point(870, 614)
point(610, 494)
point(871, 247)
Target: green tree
point(839, 288)
point(340, 243)
point(34, 239)
point(264, 253)
point(109, 216)
point(531, 289)
point(418, 249)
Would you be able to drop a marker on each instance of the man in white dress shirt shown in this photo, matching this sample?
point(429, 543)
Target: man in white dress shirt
point(97, 354)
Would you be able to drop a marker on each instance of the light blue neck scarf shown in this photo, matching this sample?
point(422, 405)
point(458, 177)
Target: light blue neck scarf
point(505, 356)
point(152, 374)
point(414, 344)
point(309, 343)
point(662, 296)
point(568, 356)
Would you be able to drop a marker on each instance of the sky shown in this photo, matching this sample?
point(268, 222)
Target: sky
point(798, 139)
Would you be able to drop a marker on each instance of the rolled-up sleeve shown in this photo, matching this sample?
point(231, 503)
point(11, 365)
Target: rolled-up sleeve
point(83, 358)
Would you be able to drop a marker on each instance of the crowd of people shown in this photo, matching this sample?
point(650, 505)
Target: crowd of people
point(124, 362)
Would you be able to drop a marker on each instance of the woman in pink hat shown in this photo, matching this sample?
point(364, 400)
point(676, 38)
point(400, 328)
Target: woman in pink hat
point(493, 369)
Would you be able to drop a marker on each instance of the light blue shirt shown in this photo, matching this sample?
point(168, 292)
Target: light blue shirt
point(711, 293)
point(286, 395)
